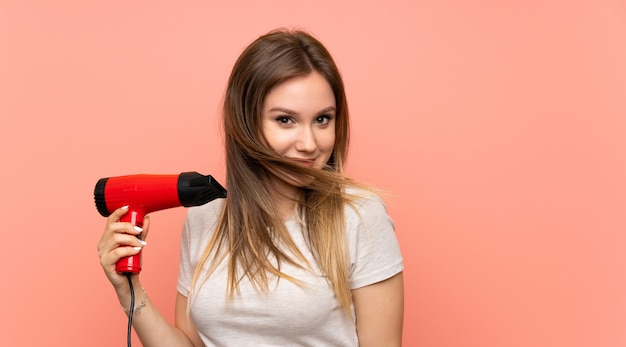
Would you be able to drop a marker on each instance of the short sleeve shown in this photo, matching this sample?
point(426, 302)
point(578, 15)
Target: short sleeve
point(374, 250)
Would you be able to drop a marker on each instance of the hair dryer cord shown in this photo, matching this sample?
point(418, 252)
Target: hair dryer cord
point(131, 309)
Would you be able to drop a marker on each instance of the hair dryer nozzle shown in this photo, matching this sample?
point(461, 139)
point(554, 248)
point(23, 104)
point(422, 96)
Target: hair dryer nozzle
point(195, 189)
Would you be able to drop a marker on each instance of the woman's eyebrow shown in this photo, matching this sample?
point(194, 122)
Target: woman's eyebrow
point(288, 111)
point(329, 109)
point(282, 109)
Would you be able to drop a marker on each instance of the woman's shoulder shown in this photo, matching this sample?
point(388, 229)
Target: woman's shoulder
point(360, 198)
point(363, 205)
point(207, 213)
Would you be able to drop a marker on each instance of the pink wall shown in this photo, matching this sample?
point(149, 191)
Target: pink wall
point(499, 130)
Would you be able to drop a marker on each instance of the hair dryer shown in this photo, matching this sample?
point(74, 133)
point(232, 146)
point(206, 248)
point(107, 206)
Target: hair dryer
point(148, 193)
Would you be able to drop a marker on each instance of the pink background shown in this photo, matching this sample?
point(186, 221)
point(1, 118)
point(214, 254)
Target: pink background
point(498, 128)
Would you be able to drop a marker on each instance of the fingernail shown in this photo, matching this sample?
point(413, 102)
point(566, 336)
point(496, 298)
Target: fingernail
point(138, 228)
point(124, 207)
point(143, 242)
point(137, 248)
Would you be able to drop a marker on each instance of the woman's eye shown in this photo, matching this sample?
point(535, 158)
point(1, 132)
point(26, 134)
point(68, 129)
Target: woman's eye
point(284, 120)
point(324, 119)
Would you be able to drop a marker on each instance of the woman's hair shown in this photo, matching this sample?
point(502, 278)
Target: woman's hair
point(250, 232)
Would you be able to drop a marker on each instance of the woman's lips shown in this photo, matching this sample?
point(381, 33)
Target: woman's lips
point(304, 162)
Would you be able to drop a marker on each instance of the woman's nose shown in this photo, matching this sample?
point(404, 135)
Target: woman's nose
point(306, 140)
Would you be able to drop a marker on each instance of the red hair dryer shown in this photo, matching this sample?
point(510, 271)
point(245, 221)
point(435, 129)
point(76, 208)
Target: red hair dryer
point(148, 193)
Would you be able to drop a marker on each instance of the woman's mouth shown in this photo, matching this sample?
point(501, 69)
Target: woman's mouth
point(304, 162)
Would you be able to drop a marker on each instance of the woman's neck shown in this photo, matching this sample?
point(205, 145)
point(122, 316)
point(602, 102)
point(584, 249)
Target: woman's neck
point(285, 197)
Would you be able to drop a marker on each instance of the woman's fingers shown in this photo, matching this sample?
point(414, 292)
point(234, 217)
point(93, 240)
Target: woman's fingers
point(119, 234)
point(120, 239)
point(110, 258)
point(117, 214)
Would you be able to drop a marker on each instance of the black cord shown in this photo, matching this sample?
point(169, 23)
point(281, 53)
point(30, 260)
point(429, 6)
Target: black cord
point(131, 309)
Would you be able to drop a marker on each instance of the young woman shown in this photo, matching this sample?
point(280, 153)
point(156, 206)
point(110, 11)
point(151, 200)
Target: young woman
point(297, 254)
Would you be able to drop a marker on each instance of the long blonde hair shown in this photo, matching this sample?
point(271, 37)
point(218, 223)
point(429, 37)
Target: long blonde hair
point(250, 230)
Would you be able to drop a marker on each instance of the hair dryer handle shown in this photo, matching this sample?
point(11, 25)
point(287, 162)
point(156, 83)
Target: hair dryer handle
point(131, 264)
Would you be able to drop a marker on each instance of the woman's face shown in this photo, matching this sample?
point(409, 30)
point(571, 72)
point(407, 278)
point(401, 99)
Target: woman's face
point(299, 122)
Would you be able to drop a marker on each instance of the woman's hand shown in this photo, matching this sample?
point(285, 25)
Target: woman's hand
point(120, 240)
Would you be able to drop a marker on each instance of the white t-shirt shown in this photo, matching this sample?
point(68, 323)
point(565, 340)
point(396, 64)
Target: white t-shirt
point(287, 315)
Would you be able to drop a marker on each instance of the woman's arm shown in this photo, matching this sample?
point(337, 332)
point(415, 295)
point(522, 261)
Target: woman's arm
point(154, 330)
point(184, 322)
point(379, 311)
point(120, 240)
